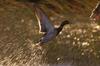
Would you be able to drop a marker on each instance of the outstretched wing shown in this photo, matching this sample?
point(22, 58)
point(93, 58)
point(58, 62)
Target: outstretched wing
point(44, 22)
point(96, 12)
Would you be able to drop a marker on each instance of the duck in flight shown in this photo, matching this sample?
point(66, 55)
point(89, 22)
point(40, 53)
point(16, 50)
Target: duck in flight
point(95, 15)
point(46, 26)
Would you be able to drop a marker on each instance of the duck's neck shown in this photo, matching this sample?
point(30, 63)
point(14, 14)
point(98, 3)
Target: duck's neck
point(60, 28)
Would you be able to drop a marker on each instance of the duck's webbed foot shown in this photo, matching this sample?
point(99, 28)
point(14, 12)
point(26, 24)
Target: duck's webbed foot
point(38, 45)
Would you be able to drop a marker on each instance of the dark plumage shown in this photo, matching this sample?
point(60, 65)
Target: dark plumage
point(45, 25)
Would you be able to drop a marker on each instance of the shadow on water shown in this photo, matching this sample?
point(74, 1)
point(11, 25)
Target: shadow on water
point(77, 45)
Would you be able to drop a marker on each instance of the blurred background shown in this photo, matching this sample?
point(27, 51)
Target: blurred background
point(77, 45)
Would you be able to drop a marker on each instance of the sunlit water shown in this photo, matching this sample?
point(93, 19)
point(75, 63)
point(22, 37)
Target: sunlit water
point(74, 46)
point(77, 45)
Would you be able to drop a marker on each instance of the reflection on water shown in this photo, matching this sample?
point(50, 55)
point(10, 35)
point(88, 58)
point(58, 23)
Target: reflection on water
point(77, 45)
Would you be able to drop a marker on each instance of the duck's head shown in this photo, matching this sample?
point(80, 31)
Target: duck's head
point(65, 22)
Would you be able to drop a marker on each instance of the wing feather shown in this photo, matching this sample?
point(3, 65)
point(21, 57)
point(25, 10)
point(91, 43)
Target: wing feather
point(43, 20)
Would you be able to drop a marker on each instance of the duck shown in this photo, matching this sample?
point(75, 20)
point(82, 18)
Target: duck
point(46, 27)
point(95, 15)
